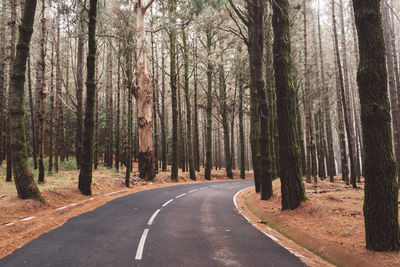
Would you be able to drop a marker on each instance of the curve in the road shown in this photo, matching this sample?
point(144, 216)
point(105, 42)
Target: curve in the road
point(185, 225)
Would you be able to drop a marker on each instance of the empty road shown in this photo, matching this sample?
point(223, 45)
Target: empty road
point(184, 225)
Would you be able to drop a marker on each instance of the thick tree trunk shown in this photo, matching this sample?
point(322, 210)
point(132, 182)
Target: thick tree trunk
point(42, 94)
point(24, 181)
point(381, 192)
point(154, 73)
point(292, 186)
point(117, 125)
point(241, 129)
point(144, 100)
point(85, 175)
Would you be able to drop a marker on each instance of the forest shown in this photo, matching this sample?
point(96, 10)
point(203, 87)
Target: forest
point(297, 92)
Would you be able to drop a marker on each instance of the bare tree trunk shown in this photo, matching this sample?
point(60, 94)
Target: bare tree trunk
point(307, 109)
point(154, 73)
point(108, 157)
point(117, 125)
point(85, 175)
point(13, 24)
point(42, 94)
point(2, 82)
point(330, 159)
point(392, 84)
point(24, 181)
point(51, 130)
point(79, 99)
point(346, 102)
point(164, 129)
point(33, 126)
point(338, 70)
point(196, 144)
point(144, 99)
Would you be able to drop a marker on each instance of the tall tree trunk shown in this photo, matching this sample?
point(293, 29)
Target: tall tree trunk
point(117, 125)
point(164, 129)
point(51, 126)
point(292, 186)
point(182, 154)
point(32, 117)
point(154, 73)
point(196, 144)
point(241, 129)
point(210, 69)
point(79, 99)
point(346, 103)
point(339, 83)
point(13, 24)
point(192, 170)
point(24, 181)
point(2, 82)
point(223, 106)
point(85, 175)
point(144, 99)
point(109, 112)
point(42, 94)
point(330, 159)
point(307, 108)
point(392, 83)
point(381, 192)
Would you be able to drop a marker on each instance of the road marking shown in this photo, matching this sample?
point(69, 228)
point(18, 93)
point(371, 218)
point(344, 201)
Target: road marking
point(272, 237)
point(203, 188)
point(61, 208)
point(75, 204)
point(9, 224)
point(112, 193)
point(166, 203)
point(194, 190)
point(92, 198)
point(139, 251)
point(27, 219)
point(181, 195)
point(153, 217)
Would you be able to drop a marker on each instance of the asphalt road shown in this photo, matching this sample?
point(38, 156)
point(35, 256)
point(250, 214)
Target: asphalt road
point(185, 225)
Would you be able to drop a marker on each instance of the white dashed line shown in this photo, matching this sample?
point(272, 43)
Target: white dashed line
point(181, 195)
point(9, 224)
point(61, 208)
point(112, 193)
point(27, 219)
point(166, 203)
point(153, 217)
point(75, 204)
point(139, 251)
point(203, 188)
point(194, 190)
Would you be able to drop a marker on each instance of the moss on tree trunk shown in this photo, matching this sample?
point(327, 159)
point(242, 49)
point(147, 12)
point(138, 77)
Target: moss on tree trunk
point(381, 190)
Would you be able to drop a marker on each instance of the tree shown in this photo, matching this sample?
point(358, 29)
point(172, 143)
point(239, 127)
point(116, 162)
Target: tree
point(85, 175)
point(292, 186)
point(144, 97)
point(42, 94)
point(24, 181)
point(381, 192)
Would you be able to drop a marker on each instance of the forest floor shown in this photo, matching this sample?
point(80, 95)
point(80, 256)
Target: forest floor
point(330, 223)
point(24, 220)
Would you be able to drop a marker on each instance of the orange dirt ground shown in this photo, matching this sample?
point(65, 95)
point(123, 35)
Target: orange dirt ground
point(65, 193)
point(330, 223)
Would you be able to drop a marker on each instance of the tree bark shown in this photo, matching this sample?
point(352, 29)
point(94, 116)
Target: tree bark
point(51, 126)
point(42, 94)
point(144, 99)
point(292, 186)
point(85, 175)
point(24, 181)
point(2, 82)
point(381, 192)
point(108, 157)
point(210, 69)
point(79, 99)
